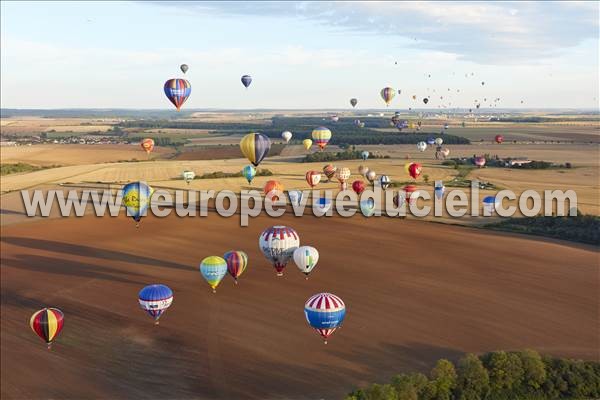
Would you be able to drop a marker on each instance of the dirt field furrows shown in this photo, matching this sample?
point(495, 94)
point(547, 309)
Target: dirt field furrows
point(414, 292)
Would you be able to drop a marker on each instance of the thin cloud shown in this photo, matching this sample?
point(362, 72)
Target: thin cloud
point(483, 32)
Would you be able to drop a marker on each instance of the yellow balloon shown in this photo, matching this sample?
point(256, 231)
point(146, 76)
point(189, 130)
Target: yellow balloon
point(406, 166)
point(307, 143)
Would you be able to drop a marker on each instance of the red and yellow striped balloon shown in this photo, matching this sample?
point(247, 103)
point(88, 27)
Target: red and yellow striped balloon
point(47, 324)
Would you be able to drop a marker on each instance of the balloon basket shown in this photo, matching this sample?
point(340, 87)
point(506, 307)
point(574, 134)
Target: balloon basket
point(49, 346)
point(236, 282)
point(324, 341)
point(306, 278)
point(280, 274)
point(156, 322)
point(214, 290)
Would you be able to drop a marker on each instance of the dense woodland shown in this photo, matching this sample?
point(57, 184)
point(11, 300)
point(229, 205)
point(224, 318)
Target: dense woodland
point(500, 375)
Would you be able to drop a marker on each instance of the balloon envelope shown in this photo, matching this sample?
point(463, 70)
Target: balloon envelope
point(136, 199)
point(414, 170)
point(177, 91)
point(188, 176)
point(148, 145)
point(313, 178)
point(255, 147)
point(325, 312)
point(249, 172)
point(307, 144)
point(278, 243)
point(329, 171)
point(237, 261)
point(213, 269)
point(246, 80)
point(155, 299)
point(499, 139)
point(358, 186)
point(306, 258)
point(272, 190)
point(286, 135)
point(47, 323)
point(353, 102)
point(421, 146)
point(367, 207)
point(371, 175)
point(364, 155)
point(384, 181)
point(184, 68)
point(321, 136)
point(387, 94)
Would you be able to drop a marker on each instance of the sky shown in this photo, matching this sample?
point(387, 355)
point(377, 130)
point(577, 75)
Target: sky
point(301, 55)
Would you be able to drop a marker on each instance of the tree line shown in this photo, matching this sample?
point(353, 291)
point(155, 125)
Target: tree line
point(499, 375)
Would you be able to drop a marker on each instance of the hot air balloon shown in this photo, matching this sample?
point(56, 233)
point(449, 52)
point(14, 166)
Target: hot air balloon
point(213, 269)
point(395, 119)
point(322, 205)
point(387, 94)
point(353, 102)
point(367, 207)
point(411, 193)
point(325, 313)
point(329, 171)
point(430, 140)
point(255, 147)
point(358, 186)
point(414, 170)
point(363, 170)
point(499, 139)
point(439, 141)
point(384, 182)
point(357, 122)
point(286, 135)
point(321, 136)
point(155, 299)
point(184, 68)
point(425, 100)
point(439, 189)
point(295, 197)
point(47, 323)
point(313, 178)
point(421, 146)
point(489, 205)
point(371, 175)
point(364, 155)
point(479, 161)
point(272, 188)
point(148, 145)
point(361, 124)
point(249, 172)
point(237, 261)
point(306, 258)
point(278, 244)
point(444, 152)
point(136, 199)
point(177, 91)
point(342, 175)
point(399, 199)
point(188, 176)
point(334, 118)
point(246, 80)
point(307, 144)
point(482, 83)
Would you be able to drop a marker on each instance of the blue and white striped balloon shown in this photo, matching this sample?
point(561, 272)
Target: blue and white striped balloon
point(155, 299)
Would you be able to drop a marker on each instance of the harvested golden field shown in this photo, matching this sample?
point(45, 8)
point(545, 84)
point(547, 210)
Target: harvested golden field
point(76, 154)
point(37, 125)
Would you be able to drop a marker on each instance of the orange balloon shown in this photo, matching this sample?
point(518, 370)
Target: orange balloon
point(148, 145)
point(272, 186)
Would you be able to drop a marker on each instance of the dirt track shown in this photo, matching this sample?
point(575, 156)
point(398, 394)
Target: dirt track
point(414, 292)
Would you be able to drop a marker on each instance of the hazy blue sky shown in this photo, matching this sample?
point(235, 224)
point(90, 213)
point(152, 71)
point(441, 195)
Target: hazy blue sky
point(300, 54)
